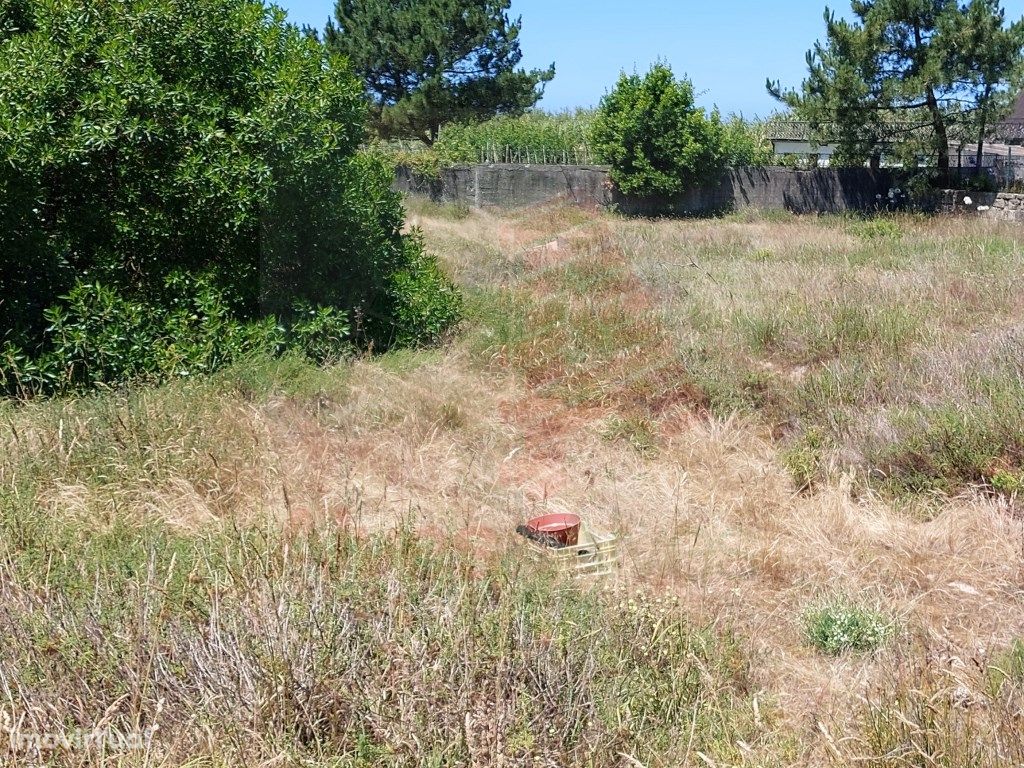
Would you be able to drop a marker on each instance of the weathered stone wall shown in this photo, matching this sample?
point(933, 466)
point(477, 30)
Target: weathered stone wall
point(1006, 206)
point(822, 190)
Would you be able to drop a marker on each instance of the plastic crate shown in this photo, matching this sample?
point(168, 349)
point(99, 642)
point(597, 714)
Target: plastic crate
point(595, 555)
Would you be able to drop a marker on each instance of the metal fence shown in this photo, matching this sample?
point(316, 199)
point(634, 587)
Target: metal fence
point(579, 155)
point(1003, 131)
point(1004, 169)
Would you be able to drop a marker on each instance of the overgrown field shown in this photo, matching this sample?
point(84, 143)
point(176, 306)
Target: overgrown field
point(810, 433)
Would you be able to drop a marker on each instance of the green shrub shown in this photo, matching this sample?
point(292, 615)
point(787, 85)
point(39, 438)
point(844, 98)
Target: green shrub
point(1007, 483)
point(150, 141)
point(949, 446)
point(97, 337)
point(425, 302)
point(839, 624)
point(980, 182)
point(657, 141)
point(804, 459)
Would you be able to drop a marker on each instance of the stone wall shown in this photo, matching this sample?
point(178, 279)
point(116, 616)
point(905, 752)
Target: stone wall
point(1006, 206)
point(822, 190)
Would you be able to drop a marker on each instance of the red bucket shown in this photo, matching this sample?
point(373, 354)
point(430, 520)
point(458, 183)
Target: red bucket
point(561, 526)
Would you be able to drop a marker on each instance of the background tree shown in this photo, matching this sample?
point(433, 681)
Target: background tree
point(902, 66)
point(987, 59)
point(657, 141)
point(838, 98)
point(428, 62)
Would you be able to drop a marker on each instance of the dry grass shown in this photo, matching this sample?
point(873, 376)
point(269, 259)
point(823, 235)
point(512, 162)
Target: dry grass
point(666, 380)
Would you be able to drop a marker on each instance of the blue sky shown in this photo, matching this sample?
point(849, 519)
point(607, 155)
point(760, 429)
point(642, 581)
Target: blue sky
point(726, 48)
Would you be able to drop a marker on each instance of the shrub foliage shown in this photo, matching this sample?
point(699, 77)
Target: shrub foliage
point(176, 168)
point(657, 141)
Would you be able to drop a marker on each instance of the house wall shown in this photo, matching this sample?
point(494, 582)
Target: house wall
point(799, 147)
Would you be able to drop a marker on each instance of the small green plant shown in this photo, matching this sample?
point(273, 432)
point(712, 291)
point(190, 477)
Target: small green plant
point(1007, 483)
point(878, 228)
point(804, 458)
point(946, 446)
point(637, 431)
point(839, 625)
point(766, 332)
point(1006, 668)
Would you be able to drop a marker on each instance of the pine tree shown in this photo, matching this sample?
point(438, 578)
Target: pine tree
point(985, 57)
point(906, 66)
point(428, 62)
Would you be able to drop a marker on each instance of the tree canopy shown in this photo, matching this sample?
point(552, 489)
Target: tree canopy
point(428, 62)
point(903, 69)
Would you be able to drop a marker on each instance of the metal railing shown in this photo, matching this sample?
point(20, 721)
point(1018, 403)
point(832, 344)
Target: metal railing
point(800, 130)
point(1006, 172)
point(578, 155)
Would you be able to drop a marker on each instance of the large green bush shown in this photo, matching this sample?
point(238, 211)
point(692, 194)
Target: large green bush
point(155, 147)
point(657, 141)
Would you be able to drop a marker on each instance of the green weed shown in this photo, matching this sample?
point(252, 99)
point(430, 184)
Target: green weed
point(638, 432)
point(839, 625)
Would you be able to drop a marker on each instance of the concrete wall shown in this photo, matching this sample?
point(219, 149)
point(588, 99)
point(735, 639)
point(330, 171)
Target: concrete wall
point(824, 190)
point(511, 186)
point(1005, 206)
